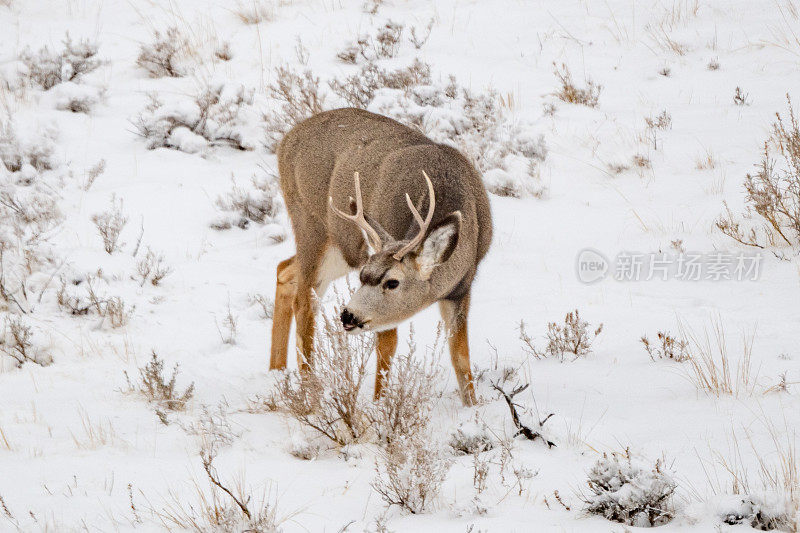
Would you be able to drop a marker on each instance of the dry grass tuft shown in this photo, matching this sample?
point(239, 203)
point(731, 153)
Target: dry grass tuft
point(711, 368)
point(254, 11)
point(570, 93)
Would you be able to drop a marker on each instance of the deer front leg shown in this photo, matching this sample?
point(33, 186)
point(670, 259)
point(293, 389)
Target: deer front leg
point(454, 314)
point(304, 321)
point(387, 344)
point(282, 315)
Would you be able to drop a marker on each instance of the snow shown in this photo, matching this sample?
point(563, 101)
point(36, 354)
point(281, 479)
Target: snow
point(73, 438)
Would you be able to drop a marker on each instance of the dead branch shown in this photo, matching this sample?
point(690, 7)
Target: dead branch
point(522, 429)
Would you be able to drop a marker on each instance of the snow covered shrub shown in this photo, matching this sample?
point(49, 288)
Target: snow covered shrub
point(471, 437)
point(156, 388)
point(221, 113)
point(151, 267)
point(359, 89)
point(82, 295)
point(166, 55)
point(48, 68)
point(298, 96)
point(666, 347)
point(411, 472)
point(384, 44)
point(408, 395)
point(773, 191)
point(26, 154)
point(759, 512)
point(506, 152)
point(31, 176)
point(574, 337)
point(303, 449)
point(17, 342)
point(570, 93)
point(326, 396)
point(262, 204)
point(70, 96)
point(626, 491)
point(109, 225)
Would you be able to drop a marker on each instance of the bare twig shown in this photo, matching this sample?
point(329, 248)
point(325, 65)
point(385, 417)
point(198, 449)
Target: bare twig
point(522, 429)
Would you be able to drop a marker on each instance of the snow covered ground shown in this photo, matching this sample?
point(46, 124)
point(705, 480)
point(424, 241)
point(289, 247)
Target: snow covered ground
point(80, 451)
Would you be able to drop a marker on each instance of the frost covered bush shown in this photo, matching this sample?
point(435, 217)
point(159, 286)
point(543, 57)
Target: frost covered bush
point(411, 472)
point(384, 44)
point(759, 512)
point(17, 341)
point(154, 385)
point(31, 174)
point(327, 396)
point(166, 55)
point(109, 225)
point(260, 204)
point(47, 68)
point(470, 438)
point(408, 395)
point(623, 490)
point(82, 295)
point(772, 193)
point(297, 97)
point(70, 96)
point(507, 153)
point(151, 267)
point(222, 113)
point(573, 337)
point(24, 154)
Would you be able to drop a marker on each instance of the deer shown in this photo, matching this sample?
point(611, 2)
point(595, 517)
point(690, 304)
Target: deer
point(345, 175)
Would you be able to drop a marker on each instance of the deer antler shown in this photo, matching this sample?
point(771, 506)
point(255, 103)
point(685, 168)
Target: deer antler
point(423, 224)
point(358, 218)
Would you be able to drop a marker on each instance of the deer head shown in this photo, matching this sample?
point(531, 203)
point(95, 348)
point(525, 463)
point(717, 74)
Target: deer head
point(396, 279)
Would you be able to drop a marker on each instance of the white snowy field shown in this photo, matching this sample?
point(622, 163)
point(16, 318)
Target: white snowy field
point(80, 450)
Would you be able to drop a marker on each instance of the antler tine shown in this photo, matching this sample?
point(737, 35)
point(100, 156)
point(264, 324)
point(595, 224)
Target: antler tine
point(358, 218)
point(423, 224)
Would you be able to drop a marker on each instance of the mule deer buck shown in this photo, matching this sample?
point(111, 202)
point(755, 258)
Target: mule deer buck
point(371, 165)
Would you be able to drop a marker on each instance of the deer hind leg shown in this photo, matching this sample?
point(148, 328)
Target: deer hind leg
point(454, 314)
point(282, 315)
point(387, 344)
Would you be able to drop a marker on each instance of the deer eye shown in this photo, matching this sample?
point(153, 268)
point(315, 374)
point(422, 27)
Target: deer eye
point(391, 284)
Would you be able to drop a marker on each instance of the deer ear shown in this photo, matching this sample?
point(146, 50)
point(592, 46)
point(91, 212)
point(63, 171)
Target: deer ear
point(438, 246)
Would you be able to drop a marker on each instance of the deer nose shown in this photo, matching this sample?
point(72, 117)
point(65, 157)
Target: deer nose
point(349, 320)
